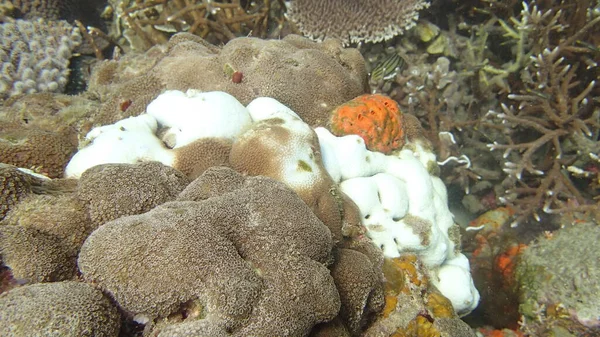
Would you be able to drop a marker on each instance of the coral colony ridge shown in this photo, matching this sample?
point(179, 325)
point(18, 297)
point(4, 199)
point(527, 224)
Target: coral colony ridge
point(335, 168)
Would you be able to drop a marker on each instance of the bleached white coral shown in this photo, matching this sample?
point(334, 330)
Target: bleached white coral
point(403, 207)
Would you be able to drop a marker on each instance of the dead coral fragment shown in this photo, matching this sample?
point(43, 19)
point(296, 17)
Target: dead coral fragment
point(375, 118)
point(355, 21)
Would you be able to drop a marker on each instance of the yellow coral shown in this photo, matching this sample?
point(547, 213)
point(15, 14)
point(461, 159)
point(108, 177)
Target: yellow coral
point(438, 305)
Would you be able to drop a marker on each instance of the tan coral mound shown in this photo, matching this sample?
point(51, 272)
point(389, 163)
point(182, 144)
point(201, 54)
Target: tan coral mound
point(257, 234)
point(46, 221)
point(46, 152)
point(34, 256)
point(58, 309)
point(310, 78)
point(111, 191)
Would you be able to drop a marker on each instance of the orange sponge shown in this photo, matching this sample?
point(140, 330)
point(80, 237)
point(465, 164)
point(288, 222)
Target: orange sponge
point(375, 118)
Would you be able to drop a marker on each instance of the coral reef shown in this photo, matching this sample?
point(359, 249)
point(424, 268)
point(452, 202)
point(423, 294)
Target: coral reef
point(35, 56)
point(401, 202)
point(235, 252)
point(61, 308)
point(355, 21)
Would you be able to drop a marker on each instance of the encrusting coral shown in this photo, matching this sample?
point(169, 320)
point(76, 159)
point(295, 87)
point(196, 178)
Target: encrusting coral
point(355, 21)
point(58, 309)
point(557, 280)
point(376, 118)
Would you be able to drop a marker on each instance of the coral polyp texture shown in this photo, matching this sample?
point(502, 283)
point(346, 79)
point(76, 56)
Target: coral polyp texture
point(558, 282)
point(310, 78)
point(376, 118)
point(35, 56)
point(355, 21)
point(58, 309)
point(255, 259)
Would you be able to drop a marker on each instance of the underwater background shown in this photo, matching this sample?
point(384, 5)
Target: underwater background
point(486, 111)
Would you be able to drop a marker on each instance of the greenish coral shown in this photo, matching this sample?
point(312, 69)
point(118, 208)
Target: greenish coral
point(558, 281)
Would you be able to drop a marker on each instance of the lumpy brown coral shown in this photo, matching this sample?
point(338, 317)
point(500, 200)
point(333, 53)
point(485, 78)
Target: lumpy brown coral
point(60, 308)
point(115, 190)
point(258, 235)
point(43, 151)
point(310, 78)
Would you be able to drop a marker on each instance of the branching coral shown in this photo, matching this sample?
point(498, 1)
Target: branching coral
point(537, 72)
point(550, 138)
point(148, 23)
point(35, 56)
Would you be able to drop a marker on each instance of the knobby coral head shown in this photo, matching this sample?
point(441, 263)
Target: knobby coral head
point(376, 118)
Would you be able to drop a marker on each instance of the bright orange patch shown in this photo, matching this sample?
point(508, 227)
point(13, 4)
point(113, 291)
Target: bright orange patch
point(507, 260)
point(375, 118)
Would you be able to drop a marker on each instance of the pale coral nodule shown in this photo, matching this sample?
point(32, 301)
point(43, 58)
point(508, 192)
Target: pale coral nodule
point(375, 118)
